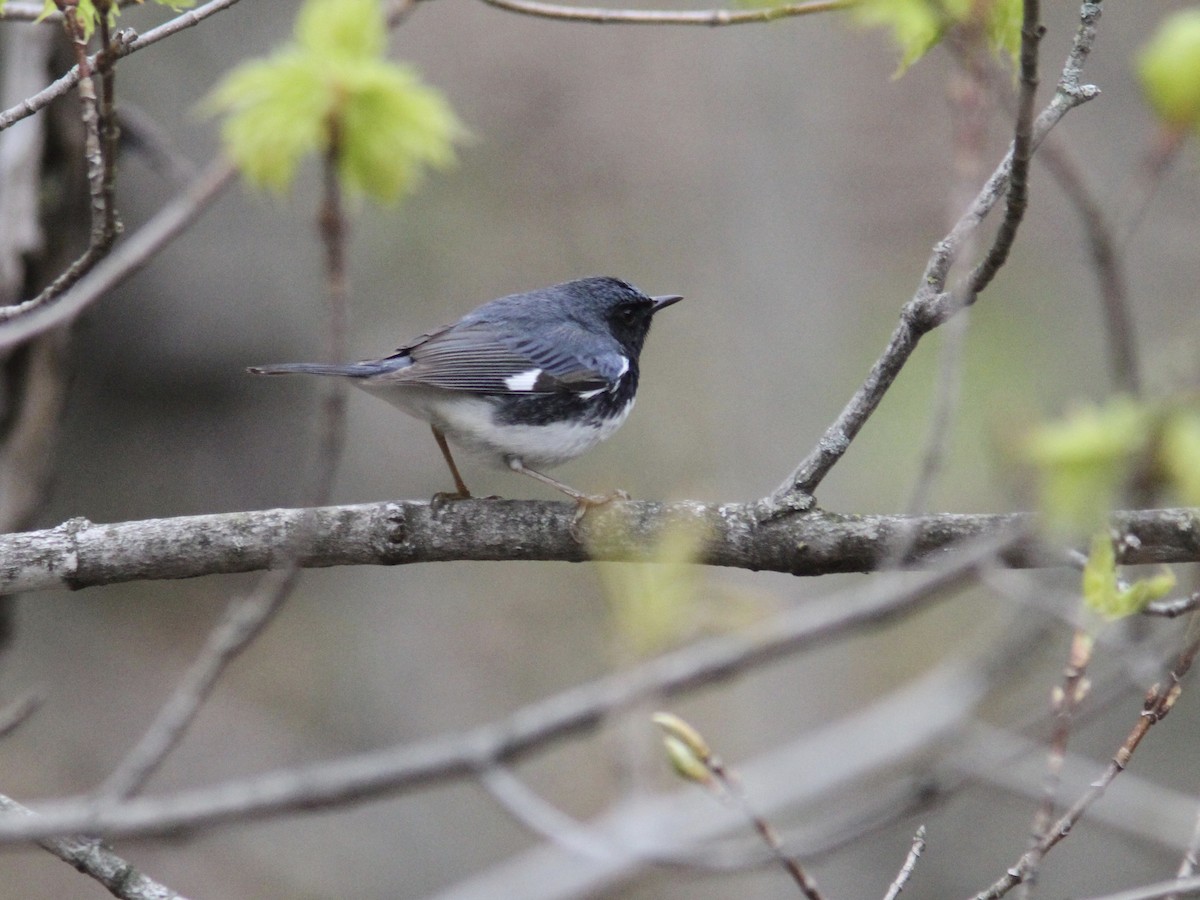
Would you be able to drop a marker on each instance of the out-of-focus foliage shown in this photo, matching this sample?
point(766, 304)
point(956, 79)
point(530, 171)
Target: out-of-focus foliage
point(919, 25)
point(1179, 454)
point(1169, 69)
point(1084, 459)
point(88, 12)
point(1102, 593)
point(653, 605)
point(332, 84)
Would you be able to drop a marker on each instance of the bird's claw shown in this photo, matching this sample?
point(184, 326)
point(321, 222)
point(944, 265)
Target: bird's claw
point(584, 503)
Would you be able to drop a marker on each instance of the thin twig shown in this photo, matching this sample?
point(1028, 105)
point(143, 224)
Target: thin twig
point(98, 149)
point(931, 305)
point(246, 618)
point(710, 17)
point(242, 622)
point(18, 712)
point(96, 860)
point(535, 727)
point(331, 224)
point(124, 43)
point(733, 790)
point(1066, 698)
point(1017, 198)
point(1160, 700)
point(1171, 609)
point(1108, 266)
point(1191, 855)
point(910, 863)
point(397, 11)
point(542, 818)
point(21, 322)
point(970, 109)
point(1163, 151)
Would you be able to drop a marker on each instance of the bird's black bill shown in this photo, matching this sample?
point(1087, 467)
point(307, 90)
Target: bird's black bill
point(665, 301)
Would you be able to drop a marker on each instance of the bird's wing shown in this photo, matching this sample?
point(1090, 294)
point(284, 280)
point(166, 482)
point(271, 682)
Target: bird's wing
point(480, 358)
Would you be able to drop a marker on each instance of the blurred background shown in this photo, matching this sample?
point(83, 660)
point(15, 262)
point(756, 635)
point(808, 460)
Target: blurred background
point(781, 180)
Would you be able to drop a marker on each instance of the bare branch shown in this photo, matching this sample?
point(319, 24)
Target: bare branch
point(910, 863)
point(1017, 198)
point(931, 305)
point(91, 857)
point(709, 17)
point(80, 554)
point(242, 622)
point(21, 322)
point(1065, 701)
point(124, 44)
point(535, 727)
point(1159, 702)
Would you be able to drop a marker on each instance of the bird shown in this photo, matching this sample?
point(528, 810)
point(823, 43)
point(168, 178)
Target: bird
point(527, 381)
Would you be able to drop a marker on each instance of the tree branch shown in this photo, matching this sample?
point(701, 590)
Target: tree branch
point(21, 322)
point(931, 305)
point(127, 42)
point(80, 554)
point(533, 728)
point(709, 17)
point(91, 857)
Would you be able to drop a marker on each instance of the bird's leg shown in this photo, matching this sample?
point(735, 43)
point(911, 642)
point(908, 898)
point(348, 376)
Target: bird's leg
point(461, 492)
point(585, 501)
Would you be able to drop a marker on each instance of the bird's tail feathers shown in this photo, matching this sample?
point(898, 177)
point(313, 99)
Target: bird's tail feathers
point(351, 370)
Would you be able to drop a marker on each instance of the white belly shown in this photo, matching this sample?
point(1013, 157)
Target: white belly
point(468, 423)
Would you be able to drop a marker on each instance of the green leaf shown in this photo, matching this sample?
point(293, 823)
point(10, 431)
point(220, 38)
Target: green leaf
point(1169, 69)
point(277, 114)
point(88, 15)
point(1103, 595)
point(1084, 459)
point(389, 126)
point(1179, 453)
point(393, 127)
point(1004, 28)
point(342, 29)
point(654, 604)
point(1099, 581)
point(919, 25)
point(1146, 590)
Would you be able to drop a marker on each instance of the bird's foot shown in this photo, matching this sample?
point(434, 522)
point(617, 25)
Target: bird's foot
point(585, 503)
point(441, 498)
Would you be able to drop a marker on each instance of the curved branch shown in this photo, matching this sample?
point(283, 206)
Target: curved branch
point(708, 17)
point(127, 42)
point(80, 554)
point(22, 321)
point(932, 304)
point(529, 729)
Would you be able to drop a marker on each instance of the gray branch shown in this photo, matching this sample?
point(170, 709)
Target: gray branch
point(80, 554)
point(97, 860)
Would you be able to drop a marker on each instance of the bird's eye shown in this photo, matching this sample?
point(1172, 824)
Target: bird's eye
point(628, 314)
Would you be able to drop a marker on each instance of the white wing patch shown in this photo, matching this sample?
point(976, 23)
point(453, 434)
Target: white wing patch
point(522, 382)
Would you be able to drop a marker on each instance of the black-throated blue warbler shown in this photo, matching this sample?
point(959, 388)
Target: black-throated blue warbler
point(528, 381)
